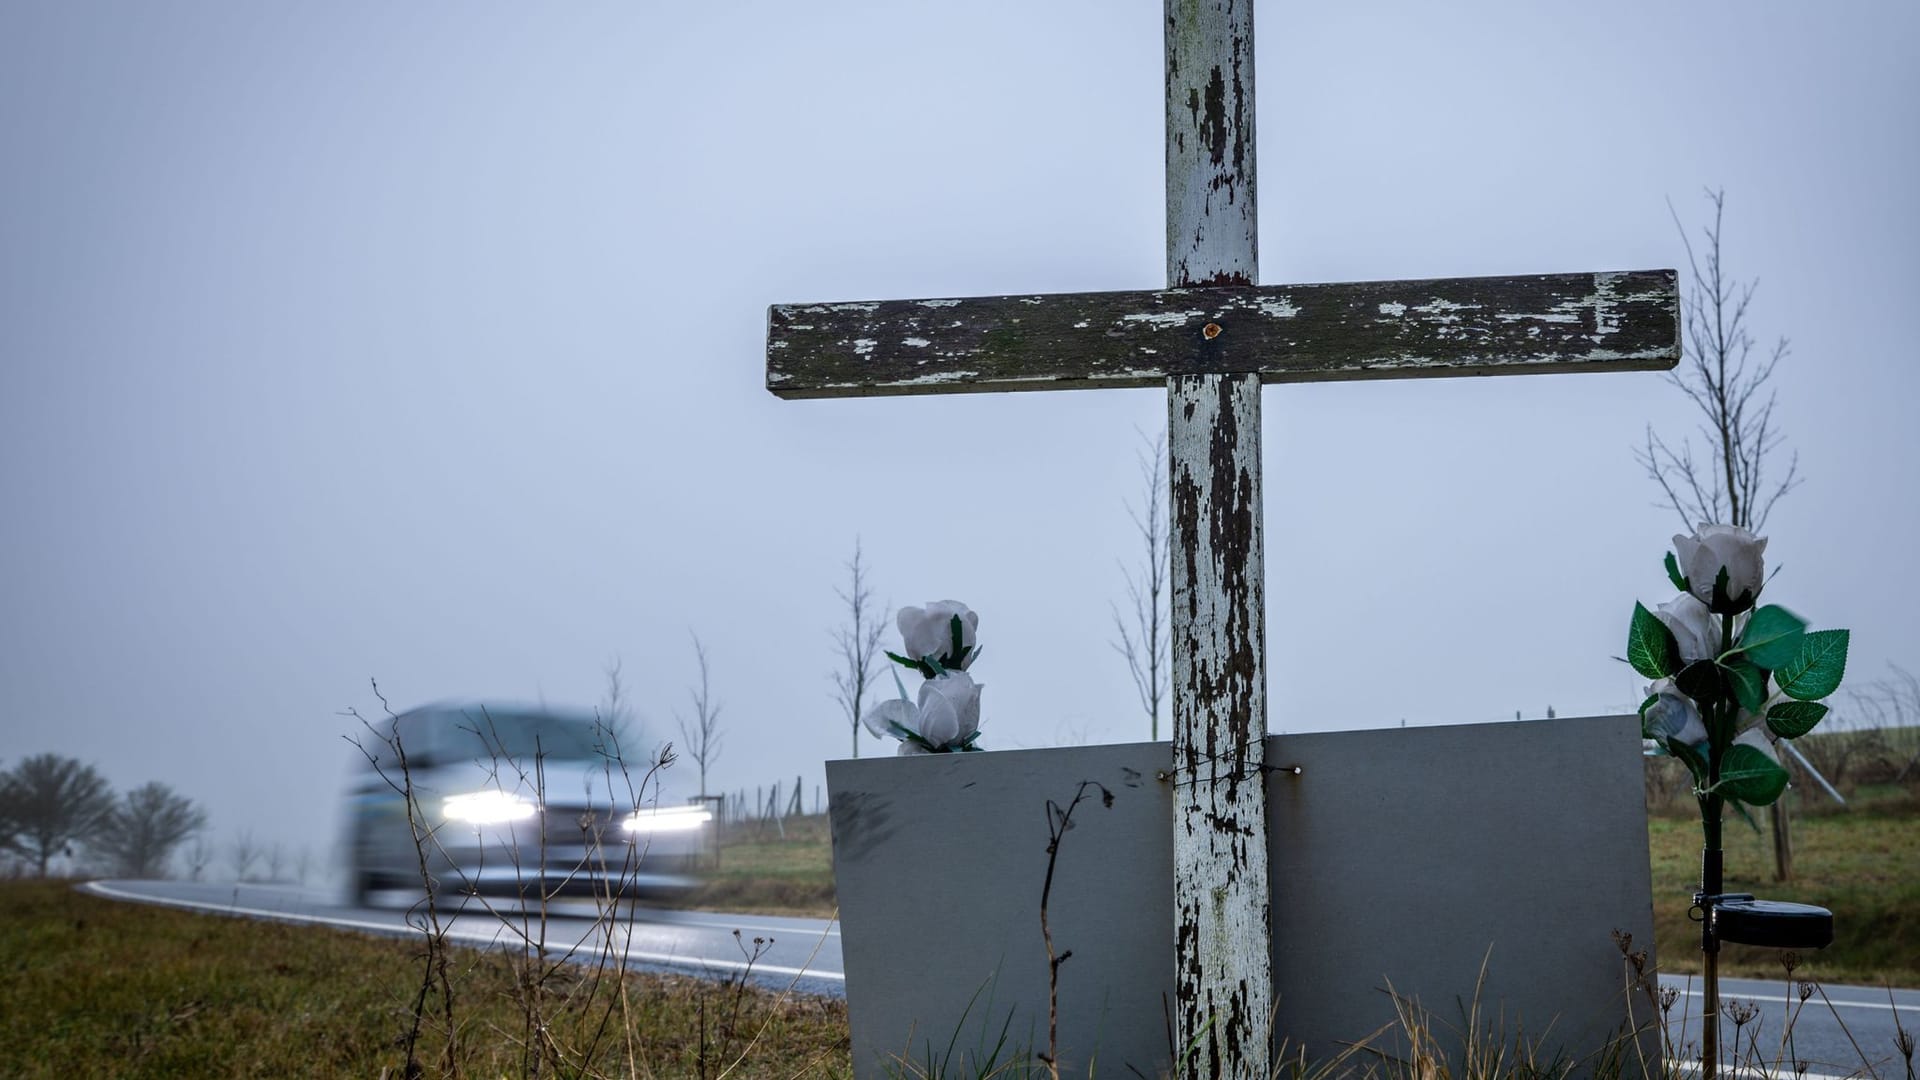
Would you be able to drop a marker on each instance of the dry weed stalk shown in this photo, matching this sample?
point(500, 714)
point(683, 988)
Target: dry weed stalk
point(434, 962)
point(1059, 820)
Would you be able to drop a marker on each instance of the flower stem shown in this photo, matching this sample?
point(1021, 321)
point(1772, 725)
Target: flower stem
point(1725, 717)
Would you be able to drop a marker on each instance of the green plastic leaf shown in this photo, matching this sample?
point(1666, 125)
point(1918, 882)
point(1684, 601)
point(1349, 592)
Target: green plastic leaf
point(920, 666)
point(1705, 682)
point(1650, 645)
point(1723, 604)
point(1674, 575)
point(1792, 719)
point(1750, 775)
point(1691, 758)
point(1644, 706)
point(1818, 668)
point(1772, 636)
point(1749, 684)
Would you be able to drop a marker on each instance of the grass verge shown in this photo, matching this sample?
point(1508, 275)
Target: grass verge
point(101, 988)
point(1863, 865)
point(765, 872)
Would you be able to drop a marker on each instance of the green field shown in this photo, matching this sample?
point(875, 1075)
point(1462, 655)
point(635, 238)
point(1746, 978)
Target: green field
point(773, 871)
point(100, 988)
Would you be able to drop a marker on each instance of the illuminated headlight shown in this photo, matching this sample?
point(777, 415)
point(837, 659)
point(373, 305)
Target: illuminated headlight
point(488, 808)
point(667, 819)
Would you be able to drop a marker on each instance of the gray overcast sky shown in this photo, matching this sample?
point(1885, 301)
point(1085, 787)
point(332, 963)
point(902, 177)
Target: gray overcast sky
point(425, 342)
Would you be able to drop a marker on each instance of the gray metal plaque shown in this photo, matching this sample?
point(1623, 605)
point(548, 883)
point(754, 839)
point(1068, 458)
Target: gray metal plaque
point(1403, 858)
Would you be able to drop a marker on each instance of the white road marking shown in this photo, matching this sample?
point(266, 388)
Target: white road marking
point(1779, 999)
point(1692, 1068)
point(829, 932)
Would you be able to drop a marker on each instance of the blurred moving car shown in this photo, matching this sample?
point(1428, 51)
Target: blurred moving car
point(516, 801)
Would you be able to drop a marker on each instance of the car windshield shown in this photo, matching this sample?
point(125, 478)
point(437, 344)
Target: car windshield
point(520, 735)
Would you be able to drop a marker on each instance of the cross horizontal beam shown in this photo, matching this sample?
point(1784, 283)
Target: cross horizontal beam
point(1628, 321)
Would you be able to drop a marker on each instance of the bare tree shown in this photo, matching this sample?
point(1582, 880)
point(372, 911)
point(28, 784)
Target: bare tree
point(199, 854)
point(145, 827)
point(51, 803)
point(243, 854)
point(1728, 385)
point(10, 842)
point(1724, 380)
point(616, 711)
point(702, 736)
point(1143, 628)
point(858, 642)
point(276, 859)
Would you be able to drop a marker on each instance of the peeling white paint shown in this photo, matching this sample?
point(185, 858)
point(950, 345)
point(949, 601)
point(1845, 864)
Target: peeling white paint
point(916, 342)
point(1164, 320)
point(857, 309)
point(1561, 313)
point(1221, 888)
point(1033, 299)
point(1606, 307)
point(1442, 311)
point(937, 303)
point(864, 346)
point(1278, 307)
point(1394, 309)
point(936, 378)
point(1081, 325)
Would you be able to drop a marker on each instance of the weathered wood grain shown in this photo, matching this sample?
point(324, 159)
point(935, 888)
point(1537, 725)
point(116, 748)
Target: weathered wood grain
point(1223, 959)
point(1625, 321)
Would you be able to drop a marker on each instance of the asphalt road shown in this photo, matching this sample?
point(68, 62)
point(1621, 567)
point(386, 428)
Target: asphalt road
point(1832, 1035)
point(802, 953)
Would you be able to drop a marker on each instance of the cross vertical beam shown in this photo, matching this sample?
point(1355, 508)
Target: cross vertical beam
point(1223, 966)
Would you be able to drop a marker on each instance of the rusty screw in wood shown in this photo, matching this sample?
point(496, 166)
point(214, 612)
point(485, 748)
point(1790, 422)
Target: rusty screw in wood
point(1211, 330)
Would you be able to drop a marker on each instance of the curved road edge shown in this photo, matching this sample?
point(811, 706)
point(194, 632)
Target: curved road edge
point(679, 942)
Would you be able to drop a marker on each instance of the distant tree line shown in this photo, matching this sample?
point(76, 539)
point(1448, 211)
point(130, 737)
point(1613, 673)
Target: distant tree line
point(52, 806)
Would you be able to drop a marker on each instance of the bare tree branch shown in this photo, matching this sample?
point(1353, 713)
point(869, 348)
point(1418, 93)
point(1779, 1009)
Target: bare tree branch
point(1143, 629)
point(858, 643)
point(702, 736)
point(617, 716)
point(1729, 386)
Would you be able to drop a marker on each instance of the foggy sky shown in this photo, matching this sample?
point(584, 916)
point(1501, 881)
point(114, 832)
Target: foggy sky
point(425, 343)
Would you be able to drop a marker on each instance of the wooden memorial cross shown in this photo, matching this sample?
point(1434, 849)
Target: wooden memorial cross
point(1212, 338)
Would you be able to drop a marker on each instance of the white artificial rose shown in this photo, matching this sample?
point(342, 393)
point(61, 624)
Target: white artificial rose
point(946, 714)
point(1704, 554)
point(882, 718)
point(928, 631)
point(1694, 627)
point(1672, 716)
point(949, 708)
